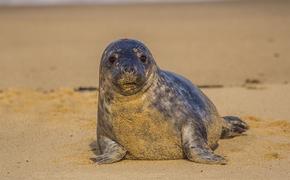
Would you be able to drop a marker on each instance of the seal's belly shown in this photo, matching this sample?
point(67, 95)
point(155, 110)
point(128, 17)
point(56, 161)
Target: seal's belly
point(145, 133)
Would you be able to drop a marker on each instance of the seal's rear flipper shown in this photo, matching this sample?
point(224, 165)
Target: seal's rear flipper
point(233, 126)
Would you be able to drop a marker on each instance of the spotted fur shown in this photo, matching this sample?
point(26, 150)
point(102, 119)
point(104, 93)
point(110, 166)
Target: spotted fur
point(147, 113)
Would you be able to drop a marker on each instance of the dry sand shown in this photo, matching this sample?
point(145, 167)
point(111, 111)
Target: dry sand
point(49, 134)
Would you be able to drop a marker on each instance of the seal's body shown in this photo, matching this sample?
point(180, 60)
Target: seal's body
point(147, 113)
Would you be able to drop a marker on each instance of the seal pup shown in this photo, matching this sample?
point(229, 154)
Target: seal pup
point(151, 114)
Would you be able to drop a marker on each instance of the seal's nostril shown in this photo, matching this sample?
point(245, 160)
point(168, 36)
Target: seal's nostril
point(129, 69)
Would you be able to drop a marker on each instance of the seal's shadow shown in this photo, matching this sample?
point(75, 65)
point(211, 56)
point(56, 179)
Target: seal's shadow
point(95, 149)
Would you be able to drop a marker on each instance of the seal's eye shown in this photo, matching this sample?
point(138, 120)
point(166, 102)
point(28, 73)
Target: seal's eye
point(143, 59)
point(112, 59)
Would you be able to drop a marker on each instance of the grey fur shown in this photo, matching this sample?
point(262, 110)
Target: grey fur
point(147, 113)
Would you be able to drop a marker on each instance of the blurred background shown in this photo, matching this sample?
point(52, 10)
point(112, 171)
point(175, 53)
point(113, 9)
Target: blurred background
point(58, 43)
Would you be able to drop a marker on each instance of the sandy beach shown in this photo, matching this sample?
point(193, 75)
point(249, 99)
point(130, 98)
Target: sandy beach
point(238, 52)
point(50, 135)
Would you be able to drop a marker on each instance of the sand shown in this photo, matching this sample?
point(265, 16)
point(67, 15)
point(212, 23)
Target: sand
point(51, 135)
point(47, 129)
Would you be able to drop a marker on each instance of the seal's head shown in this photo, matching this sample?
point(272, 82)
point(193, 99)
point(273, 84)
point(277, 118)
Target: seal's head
point(127, 66)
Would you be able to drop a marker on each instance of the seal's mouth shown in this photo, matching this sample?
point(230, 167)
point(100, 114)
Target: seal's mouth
point(130, 85)
point(130, 81)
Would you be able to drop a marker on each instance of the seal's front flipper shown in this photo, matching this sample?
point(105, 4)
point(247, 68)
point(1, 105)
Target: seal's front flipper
point(111, 151)
point(233, 126)
point(196, 148)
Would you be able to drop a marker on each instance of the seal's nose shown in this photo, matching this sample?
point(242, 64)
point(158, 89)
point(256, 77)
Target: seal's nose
point(128, 68)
